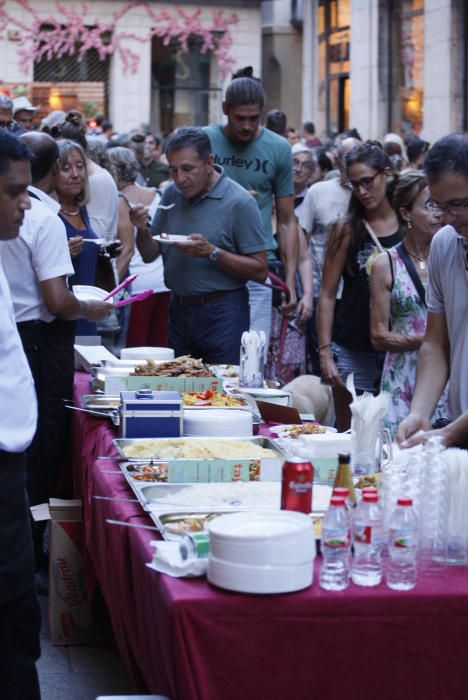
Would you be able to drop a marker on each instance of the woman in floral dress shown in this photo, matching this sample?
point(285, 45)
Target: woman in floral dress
point(398, 309)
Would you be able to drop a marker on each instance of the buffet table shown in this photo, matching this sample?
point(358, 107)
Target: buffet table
point(189, 640)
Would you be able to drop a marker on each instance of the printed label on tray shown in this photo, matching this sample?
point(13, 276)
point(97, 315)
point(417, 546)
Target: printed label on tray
point(160, 383)
point(403, 538)
point(206, 470)
point(335, 538)
point(366, 534)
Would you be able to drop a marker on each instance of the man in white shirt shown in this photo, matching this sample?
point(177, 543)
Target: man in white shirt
point(19, 609)
point(325, 202)
point(36, 264)
point(444, 352)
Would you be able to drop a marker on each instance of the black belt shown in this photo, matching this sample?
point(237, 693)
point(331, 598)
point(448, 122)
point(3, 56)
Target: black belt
point(28, 324)
point(193, 300)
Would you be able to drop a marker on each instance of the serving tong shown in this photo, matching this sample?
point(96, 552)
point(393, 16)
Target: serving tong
point(113, 414)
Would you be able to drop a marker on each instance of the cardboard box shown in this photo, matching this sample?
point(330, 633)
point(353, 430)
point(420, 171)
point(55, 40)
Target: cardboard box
point(69, 610)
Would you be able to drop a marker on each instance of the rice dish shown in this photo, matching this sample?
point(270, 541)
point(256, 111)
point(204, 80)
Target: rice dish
point(178, 448)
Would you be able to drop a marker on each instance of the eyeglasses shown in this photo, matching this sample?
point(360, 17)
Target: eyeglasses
point(299, 165)
point(453, 208)
point(8, 125)
point(366, 183)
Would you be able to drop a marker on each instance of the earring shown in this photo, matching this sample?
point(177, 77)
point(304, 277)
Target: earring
point(409, 225)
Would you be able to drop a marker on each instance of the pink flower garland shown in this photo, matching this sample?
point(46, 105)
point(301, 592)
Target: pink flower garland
point(70, 34)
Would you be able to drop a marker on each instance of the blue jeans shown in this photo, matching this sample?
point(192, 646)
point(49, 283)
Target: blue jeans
point(211, 331)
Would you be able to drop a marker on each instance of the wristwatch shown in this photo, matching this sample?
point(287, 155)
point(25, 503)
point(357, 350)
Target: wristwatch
point(214, 255)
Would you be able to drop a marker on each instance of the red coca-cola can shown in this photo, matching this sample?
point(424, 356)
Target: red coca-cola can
point(296, 485)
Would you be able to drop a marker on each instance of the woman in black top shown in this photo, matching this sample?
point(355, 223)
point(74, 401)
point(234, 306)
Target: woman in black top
point(370, 225)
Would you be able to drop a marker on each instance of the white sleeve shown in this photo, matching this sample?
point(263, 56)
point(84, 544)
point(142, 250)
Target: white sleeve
point(50, 253)
point(306, 218)
point(103, 206)
point(435, 294)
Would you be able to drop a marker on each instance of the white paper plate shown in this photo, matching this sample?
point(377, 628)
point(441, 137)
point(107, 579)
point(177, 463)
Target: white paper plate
point(85, 292)
point(174, 238)
point(284, 431)
point(147, 353)
point(225, 371)
point(218, 422)
point(259, 579)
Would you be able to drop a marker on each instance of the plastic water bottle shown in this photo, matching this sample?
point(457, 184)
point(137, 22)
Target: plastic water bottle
point(368, 542)
point(402, 546)
point(336, 543)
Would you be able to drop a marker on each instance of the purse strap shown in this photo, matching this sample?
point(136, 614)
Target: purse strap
point(371, 233)
point(416, 280)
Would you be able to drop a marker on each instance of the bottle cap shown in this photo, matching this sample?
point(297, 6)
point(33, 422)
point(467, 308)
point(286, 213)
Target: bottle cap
point(344, 458)
point(405, 501)
point(341, 491)
point(370, 497)
point(370, 489)
point(337, 501)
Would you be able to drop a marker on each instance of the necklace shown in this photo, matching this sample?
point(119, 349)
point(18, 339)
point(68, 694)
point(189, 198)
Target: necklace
point(70, 213)
point(422, 261)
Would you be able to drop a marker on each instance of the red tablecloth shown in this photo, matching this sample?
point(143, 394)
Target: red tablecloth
point(188, 639)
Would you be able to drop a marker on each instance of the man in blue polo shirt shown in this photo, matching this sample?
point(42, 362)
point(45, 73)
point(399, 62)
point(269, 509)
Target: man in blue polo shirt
point(223, 247)
point(260, 161)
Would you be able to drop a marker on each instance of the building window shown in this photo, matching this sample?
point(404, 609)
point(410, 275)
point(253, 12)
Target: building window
point(184, 90)
point(407, 66)
point(333, 52)
point(66, 83)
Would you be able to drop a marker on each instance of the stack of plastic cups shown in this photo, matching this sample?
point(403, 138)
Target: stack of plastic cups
point(434, 509)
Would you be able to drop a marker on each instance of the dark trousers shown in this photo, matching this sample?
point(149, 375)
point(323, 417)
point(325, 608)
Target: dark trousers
point(49, 350)
point(211, 331)
point(20, 624)
point(19, 608)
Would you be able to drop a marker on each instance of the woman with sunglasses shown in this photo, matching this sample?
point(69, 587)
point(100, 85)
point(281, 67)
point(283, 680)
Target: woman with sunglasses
point(370, 225)
point(398, 300)
point(72, 188)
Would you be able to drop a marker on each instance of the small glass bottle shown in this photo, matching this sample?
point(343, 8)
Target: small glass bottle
point(344, 475)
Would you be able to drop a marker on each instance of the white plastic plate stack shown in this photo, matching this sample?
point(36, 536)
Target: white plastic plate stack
point(220, 422)
point(262, 552)
point(147, 354)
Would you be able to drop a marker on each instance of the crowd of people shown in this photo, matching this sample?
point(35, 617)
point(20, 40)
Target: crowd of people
point(369, 238)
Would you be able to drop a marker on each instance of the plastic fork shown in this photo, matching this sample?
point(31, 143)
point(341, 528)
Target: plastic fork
point(136, 297)
point(120, 286)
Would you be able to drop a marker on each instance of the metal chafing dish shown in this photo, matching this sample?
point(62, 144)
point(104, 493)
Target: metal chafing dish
point(122, 443)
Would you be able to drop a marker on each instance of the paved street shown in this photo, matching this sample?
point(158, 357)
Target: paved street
point(79, 672)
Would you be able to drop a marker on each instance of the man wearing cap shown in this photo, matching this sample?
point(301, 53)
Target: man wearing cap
point(23, 113)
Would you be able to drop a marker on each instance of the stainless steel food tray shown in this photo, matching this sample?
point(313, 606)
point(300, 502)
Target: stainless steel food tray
point(163, 519)
point(122, 443)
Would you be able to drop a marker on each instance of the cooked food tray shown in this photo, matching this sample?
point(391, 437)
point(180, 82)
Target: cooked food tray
point(155, 449)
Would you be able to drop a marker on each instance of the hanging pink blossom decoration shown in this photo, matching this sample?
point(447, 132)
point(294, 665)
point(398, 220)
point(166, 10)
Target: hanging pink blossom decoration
point(72, 32)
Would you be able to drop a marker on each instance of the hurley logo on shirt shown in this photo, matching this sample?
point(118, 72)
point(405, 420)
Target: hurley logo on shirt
point(254, 164)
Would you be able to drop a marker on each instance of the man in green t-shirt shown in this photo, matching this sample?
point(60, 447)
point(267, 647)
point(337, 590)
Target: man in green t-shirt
point(261, 162)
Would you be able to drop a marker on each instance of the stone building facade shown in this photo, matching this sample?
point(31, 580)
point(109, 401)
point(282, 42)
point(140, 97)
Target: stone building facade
point(170, 86)
point(377, 65)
